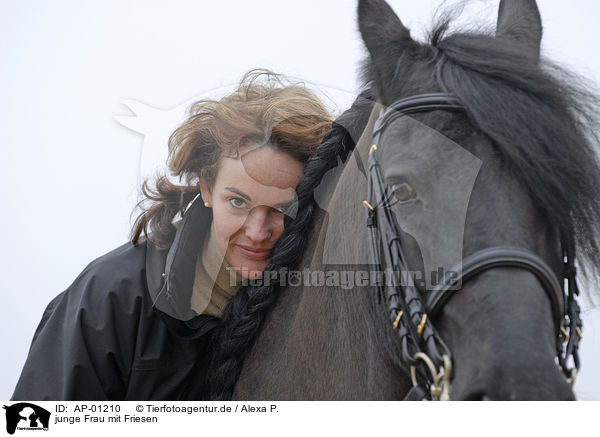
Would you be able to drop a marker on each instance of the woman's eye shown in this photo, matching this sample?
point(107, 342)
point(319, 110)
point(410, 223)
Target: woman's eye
point(237, 203)
point(403, 192)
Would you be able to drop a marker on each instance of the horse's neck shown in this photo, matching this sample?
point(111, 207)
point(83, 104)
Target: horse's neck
point(320, 341)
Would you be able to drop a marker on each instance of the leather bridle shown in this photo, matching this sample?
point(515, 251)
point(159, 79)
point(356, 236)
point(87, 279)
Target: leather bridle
point(424, 354)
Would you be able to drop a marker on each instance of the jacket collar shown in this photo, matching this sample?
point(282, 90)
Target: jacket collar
point(170, 272)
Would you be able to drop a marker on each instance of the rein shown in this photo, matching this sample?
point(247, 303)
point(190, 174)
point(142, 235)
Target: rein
point(425, 356)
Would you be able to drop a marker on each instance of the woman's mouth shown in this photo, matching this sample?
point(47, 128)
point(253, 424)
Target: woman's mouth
point(253, 252)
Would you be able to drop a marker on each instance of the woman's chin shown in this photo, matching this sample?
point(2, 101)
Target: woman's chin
point(252, 270)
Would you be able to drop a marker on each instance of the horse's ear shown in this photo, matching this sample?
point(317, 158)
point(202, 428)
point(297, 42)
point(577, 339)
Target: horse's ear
point(381, 29)
point(520, 21)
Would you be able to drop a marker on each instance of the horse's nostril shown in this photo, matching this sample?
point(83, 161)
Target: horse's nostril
point(521, 392)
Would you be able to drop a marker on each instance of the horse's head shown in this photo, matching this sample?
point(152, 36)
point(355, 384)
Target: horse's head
point(515, 168)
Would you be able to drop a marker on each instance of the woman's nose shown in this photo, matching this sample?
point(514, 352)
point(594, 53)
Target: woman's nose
point(258, 225)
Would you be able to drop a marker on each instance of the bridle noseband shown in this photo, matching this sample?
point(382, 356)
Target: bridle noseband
point(424, 354)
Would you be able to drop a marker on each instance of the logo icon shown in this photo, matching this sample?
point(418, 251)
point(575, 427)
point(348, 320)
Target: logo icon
point(26, 416)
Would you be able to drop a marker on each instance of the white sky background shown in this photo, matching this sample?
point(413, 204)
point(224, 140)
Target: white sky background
point(70, 171)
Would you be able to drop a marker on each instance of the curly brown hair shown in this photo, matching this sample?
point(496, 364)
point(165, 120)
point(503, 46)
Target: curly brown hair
point(265, 108)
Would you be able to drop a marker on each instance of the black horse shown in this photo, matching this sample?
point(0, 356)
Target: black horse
point(514, 167)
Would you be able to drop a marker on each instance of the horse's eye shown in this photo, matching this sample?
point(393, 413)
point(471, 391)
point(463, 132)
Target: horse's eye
point(403, 192)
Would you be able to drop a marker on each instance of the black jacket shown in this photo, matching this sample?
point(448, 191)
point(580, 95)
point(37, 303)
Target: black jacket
point(124, 329)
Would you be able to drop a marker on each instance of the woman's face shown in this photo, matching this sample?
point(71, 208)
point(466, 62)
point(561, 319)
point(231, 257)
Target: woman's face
point(247, 200)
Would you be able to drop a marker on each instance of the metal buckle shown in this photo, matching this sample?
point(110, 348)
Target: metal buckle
point(440, 386)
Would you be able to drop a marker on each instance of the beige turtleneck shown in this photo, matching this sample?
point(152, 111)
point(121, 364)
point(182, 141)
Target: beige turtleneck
point(212, 282)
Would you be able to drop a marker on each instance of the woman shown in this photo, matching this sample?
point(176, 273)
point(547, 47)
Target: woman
point(136, 323)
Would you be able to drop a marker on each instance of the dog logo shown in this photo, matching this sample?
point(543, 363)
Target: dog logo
point(26, 416)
